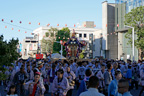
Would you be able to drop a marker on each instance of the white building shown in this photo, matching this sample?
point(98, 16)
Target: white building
point(88, 33)
point(29, 47)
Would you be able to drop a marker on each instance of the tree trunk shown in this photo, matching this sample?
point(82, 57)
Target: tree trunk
point(140, 55)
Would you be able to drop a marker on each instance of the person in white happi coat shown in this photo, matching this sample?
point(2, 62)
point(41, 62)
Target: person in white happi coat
point(60, 84)
point(80, 73)
point(71, 77)
point(35, 87)
point(100, 75)
point(73, 66)
point(38, 69)
point(124, 68)
point(96, 68)
point(142, 80)
point(45, 73)
point(10, 73)
point(29, 73)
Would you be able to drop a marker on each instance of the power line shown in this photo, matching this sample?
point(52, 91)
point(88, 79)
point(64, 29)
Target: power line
point(16, 26)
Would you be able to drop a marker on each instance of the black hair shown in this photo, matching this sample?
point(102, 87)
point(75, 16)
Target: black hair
point(96, 62)
point(22, 68)
point(109, 65)
point(61, 71)
point(93, 82)
point(88, 72)
point(53, 66)
point(56, 62)
point(129, 66)
point(11, 87)
point(117, 72)
point(65, 61)
point(75, 60)
point(34, 62)
point(79, 63)
point(28, 65)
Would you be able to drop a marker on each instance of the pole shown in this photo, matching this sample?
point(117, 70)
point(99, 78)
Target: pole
point(61, 50)
point(133, 42)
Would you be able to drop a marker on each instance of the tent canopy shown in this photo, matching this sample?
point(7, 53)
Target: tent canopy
point(57, 56)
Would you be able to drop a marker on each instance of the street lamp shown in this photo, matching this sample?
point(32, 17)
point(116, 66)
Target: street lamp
point(132, 39)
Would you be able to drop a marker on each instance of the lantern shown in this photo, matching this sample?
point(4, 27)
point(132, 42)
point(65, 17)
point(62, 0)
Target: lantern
point(117, 25)
point(94, 25)
point(11, 21)
point(29, 22)
point(111, 33)
point(39, 23)
point(61, 42)
point(25, 32)
point(74, 25)
point(48, 24)
point(20, 22)
point(2, 19)
point(84, 25)
point(66, 25)
point(106, 25)
point(18, 30)
point(12, 28)
point(5, 26)
point(59, 37)
point(57, 24)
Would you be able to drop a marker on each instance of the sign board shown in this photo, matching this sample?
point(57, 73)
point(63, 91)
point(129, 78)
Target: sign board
point(39, 56)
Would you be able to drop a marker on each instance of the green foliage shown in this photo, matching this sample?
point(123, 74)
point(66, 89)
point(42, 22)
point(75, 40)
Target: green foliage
point(47, 34)
point(8, 54)
point(64, 34)
point(47, 44)
point(135, 18)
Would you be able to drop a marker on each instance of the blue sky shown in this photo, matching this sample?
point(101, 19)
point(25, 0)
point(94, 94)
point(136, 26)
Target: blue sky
point(55, 12)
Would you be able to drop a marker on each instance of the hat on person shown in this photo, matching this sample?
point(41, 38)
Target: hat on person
point(38, 73)
point(40, 63)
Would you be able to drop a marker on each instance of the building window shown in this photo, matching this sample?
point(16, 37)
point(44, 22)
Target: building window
point(80, 35)
point(85, 35)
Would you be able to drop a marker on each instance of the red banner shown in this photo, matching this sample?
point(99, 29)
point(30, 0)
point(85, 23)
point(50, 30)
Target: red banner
point(39, 56)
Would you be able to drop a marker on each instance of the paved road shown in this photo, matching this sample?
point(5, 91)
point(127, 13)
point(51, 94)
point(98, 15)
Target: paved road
point(133, 92)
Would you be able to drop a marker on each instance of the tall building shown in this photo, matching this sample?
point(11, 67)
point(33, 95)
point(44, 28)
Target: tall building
point(109, 40)
point(121, 9)
point(87, 32)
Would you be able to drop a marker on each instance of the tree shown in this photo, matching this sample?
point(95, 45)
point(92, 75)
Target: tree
point(47, 42)
point(135, 18)
point(8, 54)
point(46, 45)
point(63, 35)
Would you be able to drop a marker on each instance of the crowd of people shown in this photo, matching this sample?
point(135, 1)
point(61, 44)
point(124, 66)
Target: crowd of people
point(98, 77)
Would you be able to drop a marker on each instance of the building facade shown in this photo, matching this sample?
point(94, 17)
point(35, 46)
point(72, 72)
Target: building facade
point(122, 8)
point(29, 47)
point(110, 38)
